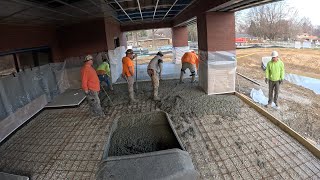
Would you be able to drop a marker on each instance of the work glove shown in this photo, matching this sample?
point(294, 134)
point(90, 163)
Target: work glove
point(280, 81)
point(266, 80)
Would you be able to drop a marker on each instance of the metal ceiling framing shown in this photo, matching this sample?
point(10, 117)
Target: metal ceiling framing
point(237, 5)
point(63, 12)
point(147, 10)
point(55, 12)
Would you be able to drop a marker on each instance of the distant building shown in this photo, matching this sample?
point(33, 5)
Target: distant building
point(245, 38)
point(307, 37)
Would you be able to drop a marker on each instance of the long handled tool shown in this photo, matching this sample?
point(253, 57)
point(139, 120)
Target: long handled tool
point(136, 73)
point(107, 95)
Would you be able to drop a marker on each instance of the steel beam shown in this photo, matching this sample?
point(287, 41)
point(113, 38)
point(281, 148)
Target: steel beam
point(254, 4)
point(169, 9)
point(123, 10)
point(155, 10)
point(112, 14)
point(151, 25)
point(152, 6)
point(140, 9)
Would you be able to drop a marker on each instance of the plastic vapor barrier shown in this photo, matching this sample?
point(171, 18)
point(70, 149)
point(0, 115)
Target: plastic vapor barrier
point(306, 82)
point(178, 52)
point(115, 57)
point(217, 71)
point(26, 93)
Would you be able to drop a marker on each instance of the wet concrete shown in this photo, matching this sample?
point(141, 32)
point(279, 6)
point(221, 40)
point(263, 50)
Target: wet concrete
point(142, 133)
point(227, 140)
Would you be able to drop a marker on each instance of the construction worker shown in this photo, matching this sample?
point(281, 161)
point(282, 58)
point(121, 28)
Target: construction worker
point(128, 72)
point(274, 76)
point(104, 74)
point(153, 66)
point(189, 61)
point(91, 86)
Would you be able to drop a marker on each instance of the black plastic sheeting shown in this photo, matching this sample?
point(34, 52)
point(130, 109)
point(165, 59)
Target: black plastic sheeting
point(21, 89)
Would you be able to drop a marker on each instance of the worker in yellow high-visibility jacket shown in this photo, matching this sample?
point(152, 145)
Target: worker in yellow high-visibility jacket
point(104, 74)
point(274, 76)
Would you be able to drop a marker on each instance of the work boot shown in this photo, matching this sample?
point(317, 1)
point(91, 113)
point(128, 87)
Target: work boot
point(156, 98)
point(193, 79)
point(155, 95)
point(132, 99)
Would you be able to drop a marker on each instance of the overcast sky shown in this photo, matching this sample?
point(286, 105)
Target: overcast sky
point(307, 8)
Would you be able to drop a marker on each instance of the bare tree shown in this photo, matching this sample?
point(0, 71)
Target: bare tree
point(241, 25)
point(192, 32)
point(273, 21)
point(317, 31)
point(306, 25)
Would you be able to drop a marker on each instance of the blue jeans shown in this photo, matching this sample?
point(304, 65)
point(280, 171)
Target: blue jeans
point(105, 78)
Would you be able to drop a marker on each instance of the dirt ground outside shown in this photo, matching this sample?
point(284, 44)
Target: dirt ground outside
point(299, 107)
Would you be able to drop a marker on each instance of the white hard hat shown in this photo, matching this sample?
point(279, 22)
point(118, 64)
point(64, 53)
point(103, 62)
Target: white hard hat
point(88, 57)
point(274, 54)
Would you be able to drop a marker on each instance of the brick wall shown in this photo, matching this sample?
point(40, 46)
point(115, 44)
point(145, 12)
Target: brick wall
point(83, 38)
point(18, 37)
point(216, 31)
point(180, 36)
point(113, 31)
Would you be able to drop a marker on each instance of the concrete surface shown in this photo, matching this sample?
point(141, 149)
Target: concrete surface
point(6, 176)
point(173, 164)
point(71, 97)
point(225, 138)
point(136, 141)
point(141, 133)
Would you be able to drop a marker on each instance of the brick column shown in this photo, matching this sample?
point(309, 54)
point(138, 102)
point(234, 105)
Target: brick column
point(216, 39)
point(123, 40)
point(113, 32)
point(179, 42)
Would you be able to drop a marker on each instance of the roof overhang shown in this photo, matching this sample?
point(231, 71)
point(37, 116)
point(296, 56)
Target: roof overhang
point(131, 14)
